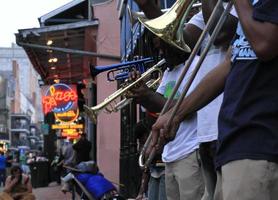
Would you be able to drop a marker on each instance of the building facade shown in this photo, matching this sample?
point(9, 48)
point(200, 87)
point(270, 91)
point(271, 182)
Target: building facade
point(21, 95)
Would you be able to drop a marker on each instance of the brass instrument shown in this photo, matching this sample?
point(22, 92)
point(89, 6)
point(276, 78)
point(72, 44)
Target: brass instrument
point(194, 52)
point(110, 105)
point(120, 71)
point(133, 15)
point(169, 26)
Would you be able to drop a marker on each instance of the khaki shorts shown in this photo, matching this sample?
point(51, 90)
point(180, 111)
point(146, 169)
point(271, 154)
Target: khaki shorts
point(247, 180)
point(184, 179)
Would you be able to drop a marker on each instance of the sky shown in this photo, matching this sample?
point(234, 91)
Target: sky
point(23, 14)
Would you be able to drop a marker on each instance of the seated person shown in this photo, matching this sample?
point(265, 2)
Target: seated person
point(17, 186)
point(87, 173)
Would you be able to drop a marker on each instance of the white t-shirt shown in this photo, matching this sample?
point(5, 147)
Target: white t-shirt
point(186, 140)
point(207, 117)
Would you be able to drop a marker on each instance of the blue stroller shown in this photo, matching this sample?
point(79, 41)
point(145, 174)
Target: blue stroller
point(89, 183)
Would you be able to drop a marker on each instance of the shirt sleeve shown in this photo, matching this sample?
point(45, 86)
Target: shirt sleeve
point(266, 10)
point(162, 86)
point(233, 11)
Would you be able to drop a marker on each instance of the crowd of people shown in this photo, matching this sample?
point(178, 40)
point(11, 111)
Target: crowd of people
point(221, 143)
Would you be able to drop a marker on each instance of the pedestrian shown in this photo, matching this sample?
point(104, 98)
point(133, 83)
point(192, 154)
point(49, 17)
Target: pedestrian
point(18, 186)
point(2, 168)
point(9, 161)
point(68, 160)
point(82, 149)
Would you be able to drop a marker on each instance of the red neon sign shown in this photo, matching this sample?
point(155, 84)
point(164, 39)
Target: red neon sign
point(59, 98)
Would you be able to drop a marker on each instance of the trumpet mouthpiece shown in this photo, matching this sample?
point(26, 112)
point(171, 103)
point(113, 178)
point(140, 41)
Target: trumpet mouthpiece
point(90, 113)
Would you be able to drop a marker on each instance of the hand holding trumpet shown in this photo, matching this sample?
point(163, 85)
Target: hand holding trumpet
point(141, 91)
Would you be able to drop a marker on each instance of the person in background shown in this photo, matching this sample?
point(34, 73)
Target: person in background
point(2, 168)
point(69, 160)
point(18, 186)
point(68, 153)
point(82, 149)
point(57, 165)
point(9, 161)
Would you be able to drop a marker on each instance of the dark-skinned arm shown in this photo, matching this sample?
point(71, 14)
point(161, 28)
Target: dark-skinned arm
point(208, 89)
point(262, 36)
point(191, 34)
point(228, 30)
point(148, 98)
point(150, 8)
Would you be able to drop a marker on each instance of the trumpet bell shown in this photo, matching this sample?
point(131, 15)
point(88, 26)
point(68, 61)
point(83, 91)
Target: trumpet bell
point(169, 26)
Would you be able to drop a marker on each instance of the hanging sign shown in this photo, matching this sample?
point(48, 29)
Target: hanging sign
point(62, 100)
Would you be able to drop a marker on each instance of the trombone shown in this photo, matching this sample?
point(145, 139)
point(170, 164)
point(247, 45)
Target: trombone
point(208, 27)
point(110, 103)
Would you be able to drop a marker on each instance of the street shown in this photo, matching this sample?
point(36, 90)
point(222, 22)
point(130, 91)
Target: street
point(52, 192)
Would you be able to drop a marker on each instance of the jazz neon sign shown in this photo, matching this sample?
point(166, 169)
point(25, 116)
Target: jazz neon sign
point(59, 98)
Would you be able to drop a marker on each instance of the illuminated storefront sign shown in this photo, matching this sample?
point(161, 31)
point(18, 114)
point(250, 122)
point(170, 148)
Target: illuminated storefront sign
point(70, 133)
point(62, 100)
point(67, 126)
point(59, 98)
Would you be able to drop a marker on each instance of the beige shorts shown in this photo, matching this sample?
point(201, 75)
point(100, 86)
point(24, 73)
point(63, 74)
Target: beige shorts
point(247, 180)
point(184, 179)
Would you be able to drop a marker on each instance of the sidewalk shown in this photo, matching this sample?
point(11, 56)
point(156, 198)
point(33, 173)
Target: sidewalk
point(52, 192)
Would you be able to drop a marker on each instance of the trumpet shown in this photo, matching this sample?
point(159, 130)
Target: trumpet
point(110, 103)
point(208, 27)
point(120, 71)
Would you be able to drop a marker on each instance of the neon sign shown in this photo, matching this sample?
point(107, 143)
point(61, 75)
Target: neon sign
point(59, 98)
point(67, 126)
point(70, 133)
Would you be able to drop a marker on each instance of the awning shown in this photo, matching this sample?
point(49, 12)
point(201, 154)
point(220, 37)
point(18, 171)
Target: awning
point(56, 51)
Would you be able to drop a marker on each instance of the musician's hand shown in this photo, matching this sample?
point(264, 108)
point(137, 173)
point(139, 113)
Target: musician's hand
point(140, 91)
point(164, 132)
point(139, 197)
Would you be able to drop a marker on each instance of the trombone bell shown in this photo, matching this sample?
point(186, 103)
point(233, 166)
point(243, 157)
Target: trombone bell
point(169, 26)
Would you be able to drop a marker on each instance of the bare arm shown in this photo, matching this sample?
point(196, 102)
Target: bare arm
point(227, 32)
point(261, 35)
point(150, 8)
point(208, 89)
point(9, 183)
point(146, 97)
point(29, 185)
point(191, 34)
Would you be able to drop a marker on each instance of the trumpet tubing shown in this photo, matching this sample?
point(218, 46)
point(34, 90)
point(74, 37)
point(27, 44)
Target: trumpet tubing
point(126, 101)
point(106, 104)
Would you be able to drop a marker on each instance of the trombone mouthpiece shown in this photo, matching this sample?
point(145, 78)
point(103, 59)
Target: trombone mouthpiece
point(90, 113)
